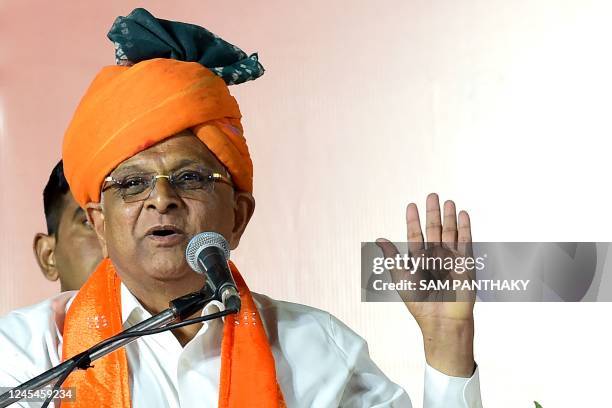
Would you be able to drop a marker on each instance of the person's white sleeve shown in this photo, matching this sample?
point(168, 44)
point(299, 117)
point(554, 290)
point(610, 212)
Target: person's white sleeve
point(16, 366)
point(444, 391)
point(29, 343)
point(368, 386)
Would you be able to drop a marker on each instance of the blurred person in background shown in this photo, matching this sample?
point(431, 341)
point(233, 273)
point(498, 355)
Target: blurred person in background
point(69, 251)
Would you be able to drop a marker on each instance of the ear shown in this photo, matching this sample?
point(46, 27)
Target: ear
point(244, 206)
point(44, 251)
point(95, 217)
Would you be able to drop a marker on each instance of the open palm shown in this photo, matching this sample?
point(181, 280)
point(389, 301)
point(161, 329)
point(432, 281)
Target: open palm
point(445, 317)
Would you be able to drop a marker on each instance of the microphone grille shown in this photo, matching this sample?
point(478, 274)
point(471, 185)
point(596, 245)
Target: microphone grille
point(201, 241)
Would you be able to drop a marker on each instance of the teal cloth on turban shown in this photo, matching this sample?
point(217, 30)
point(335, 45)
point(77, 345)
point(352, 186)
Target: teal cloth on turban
point(140, 36)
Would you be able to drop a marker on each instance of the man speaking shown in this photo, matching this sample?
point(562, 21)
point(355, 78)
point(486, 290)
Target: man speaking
point(155, 153)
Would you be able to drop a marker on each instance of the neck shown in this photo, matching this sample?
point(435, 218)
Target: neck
point(155, 297)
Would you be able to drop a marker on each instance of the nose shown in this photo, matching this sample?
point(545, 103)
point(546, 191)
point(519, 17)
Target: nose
point(163, 197)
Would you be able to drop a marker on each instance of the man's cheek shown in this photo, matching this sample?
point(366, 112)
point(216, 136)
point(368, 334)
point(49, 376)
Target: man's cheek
point(118, 240)
point(213, 217)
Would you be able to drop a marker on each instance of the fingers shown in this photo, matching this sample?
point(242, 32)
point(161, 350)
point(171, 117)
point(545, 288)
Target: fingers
point(464, 249)
point(433, 226)
point(449, 229)
point(415, 235)
point(464, 245)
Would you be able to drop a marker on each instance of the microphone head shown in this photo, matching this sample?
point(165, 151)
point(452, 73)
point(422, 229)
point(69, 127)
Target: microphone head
point(201, 241)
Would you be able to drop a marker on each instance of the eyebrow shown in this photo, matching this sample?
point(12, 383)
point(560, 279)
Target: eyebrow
point(182, 163)
point(130, 168)
point(187, 162)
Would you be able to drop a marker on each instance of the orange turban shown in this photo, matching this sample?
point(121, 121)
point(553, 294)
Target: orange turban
point(128, 109)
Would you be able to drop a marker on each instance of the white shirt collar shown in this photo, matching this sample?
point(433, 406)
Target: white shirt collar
point(132, 311)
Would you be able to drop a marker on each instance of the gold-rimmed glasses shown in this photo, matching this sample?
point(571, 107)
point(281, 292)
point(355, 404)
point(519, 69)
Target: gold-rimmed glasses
point(187, 183)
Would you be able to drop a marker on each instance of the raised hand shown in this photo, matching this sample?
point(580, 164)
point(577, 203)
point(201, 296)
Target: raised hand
point(445, 317)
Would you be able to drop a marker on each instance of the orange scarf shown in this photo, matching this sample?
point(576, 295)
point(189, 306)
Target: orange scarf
point(248, 376)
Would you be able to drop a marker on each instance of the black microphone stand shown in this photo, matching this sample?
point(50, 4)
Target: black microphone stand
point(180, 308)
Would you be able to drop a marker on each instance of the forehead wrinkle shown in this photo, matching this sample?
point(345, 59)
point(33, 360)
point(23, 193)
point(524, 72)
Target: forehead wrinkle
point(167, 165)
point(171, 155)
point(138, 163)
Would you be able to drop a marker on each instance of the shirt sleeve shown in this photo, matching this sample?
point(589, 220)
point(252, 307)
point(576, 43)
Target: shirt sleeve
point(369, 387)
point(444, 391)
point(30, 343)
point(16, 366)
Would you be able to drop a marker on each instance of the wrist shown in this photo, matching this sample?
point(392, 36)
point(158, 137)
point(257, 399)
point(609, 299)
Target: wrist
point(449, 346)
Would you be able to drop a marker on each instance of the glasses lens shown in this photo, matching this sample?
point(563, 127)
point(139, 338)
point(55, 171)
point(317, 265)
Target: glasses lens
point(193, 183)
point(192, 179)
point(134, 188)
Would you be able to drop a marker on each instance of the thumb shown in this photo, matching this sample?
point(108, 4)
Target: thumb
point(388, 249)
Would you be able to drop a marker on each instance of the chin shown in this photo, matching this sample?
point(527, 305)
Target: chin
point(163, 268)
point(168, 275)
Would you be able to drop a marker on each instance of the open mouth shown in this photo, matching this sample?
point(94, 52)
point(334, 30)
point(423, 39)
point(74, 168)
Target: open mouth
point(162, 231)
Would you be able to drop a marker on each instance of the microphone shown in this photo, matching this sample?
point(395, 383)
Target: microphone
point(207, 253)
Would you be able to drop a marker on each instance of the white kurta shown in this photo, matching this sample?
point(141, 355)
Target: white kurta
point(320, 362)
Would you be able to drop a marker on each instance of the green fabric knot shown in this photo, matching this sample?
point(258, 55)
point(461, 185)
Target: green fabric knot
point(140, 36)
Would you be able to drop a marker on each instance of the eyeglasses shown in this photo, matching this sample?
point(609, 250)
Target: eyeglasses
point(190, 183)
